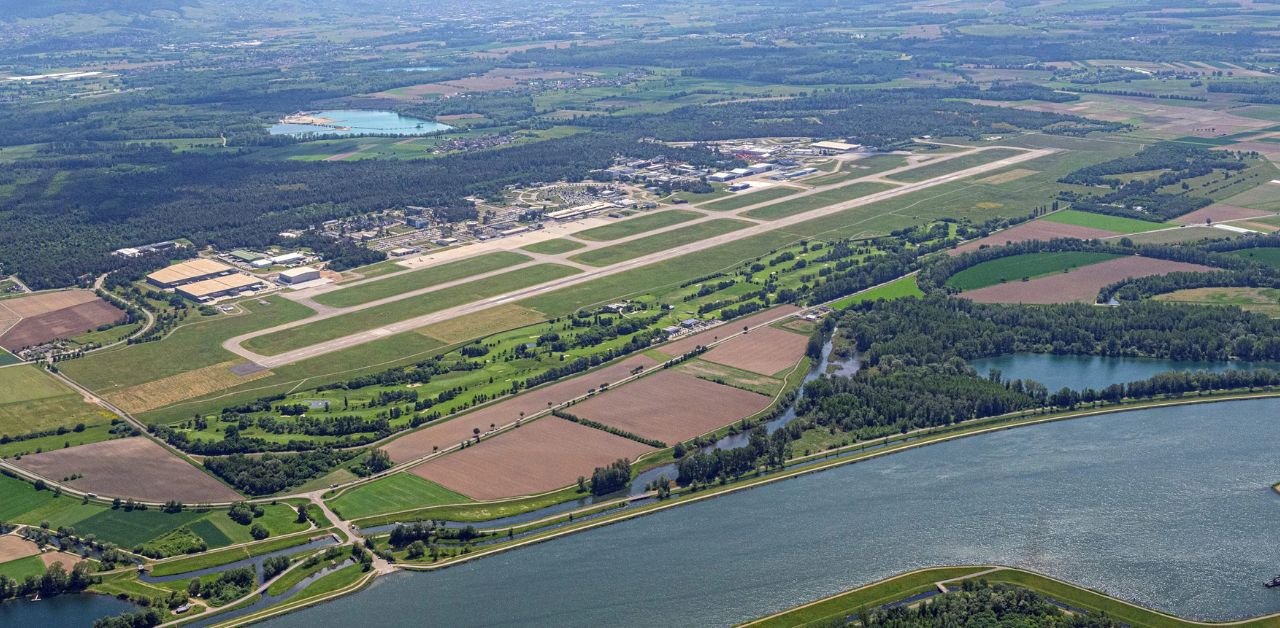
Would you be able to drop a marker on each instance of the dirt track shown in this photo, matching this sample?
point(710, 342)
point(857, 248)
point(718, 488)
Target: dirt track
point(234, 344)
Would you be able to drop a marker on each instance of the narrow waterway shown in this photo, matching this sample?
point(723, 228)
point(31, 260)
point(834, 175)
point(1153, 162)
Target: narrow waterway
point(1170, 508)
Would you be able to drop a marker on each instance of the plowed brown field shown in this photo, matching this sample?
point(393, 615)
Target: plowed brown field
point(1034, 230)
point(129, 467)
point(1080, 285)
point(671, 407)
point(765, 351)
point(689, 343)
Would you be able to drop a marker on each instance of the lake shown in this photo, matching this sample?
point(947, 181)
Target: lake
point(1089, 371)
point(359, 122)
point(63, 610)
point(1170, 508)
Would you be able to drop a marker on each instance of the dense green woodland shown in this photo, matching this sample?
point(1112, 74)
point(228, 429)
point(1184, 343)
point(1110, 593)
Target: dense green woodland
point(979, 604)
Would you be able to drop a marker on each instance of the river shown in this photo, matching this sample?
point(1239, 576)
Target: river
point(1170, 508)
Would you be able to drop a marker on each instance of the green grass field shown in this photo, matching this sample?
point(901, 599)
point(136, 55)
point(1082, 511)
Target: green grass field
point(371, 318)
point(229, 555)
point(658, 242)
point(418, 279)
point(191, 346)
point(897, 289)
point(931, 170)
point(1268, 256)
point(32, 400)
point(816, 201)
point(639, 224)
point(332, 582)
point(19, 569)
point(1018, 267)
point(745, 198)
point(1114, 224)
point(7, 358)
point(394, 493)
point(553, 247)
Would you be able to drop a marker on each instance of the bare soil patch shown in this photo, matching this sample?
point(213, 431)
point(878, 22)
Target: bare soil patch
point(1080, 285)
point(449, 433)
point(182, 386)
point(671, 407)
point(69, 561)
point(44, 303)
point(1219, 213)
point(545, 455)
point(62, 323)
point(766, 351)
point(1034, 230)
point(13, 547)
point(689, 343)
point(129, 467)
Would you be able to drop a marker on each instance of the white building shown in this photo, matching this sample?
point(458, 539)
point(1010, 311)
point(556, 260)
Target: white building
point(302, 274)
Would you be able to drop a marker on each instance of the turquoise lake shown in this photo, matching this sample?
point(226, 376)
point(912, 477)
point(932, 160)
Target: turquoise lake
point(362, 122)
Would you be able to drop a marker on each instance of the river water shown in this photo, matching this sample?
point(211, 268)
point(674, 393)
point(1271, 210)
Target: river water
point(1170, 508)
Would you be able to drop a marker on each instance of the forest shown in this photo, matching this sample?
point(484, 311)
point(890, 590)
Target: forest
point(982, 604)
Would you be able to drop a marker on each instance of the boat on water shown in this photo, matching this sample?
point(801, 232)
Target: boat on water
point(1273, 583)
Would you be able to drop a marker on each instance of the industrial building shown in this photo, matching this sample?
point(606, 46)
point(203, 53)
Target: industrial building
point(288, 258)
point(834, 148)
point(581, 211)
point(187, 272)
point(226, 285)
point(301, 274)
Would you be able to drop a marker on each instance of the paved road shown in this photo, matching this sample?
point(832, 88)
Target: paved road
point(337, 344)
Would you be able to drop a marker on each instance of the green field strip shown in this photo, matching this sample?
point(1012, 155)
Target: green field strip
point(394, 312)
point(745, 199)
point(553, 247)
point(1114, 224)
point(395, 493)
point(418, 279)
point(1268, 256)
point(817, 201)
point(1019, 267)
point(956, 164)
point(897, 289)
point(639, 224)
point(658, 242)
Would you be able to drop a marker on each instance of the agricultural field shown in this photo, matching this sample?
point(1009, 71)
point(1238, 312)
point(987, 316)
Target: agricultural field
point(129, 467)
point(1022, 268)
point(1268, 256)
point(402, 491)
point(36, 319)
point(1113, 224)
point(1261, 300)
point(358, 294)
point(32, 400)
point(1220, 212)
point(637, 225)
point(897, 289)
point(1080, 285)
point(658, 242)
point(766, 350)
point(689, 343)
point(544, 455)
point(671, 407)
point(1041, 229)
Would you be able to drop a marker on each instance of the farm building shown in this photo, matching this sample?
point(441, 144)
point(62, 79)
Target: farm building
point(190, 271)
point(302, 274)
point(217, 287)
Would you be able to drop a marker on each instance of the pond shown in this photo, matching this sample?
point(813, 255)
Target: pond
point(1089, 371)
point(63, 610)
point(1171, 508)
point(355, 122)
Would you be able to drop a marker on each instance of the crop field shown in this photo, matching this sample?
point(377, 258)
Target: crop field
point(13, 547)
point(20, 569)
point(418, 279)
point(658, 242)
point(396, 311)
point(175, 388)
point(1269, 256)
point(1219, 213)
point(816, 201)
point(451, 432)
point(1023, 267)
point(553, 247)
point(1265, 197)
point(897, 289)
point(639, 224)
point(1262, 300)
point(1114, 224)
point(32, 400)
point(1033, 230)
point(1182, 234)
point(542, 456)
point(189, 347)
point(689, 343)
point(401, 491)
point(60, 323)
point(671, 407)
point(767, 351)
point(1080, 285)
point(749, 197)
point(730, 376)
point(931, 170)
point(129, 467)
